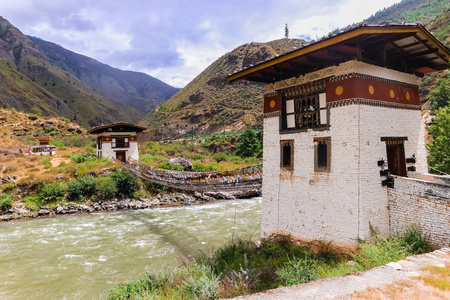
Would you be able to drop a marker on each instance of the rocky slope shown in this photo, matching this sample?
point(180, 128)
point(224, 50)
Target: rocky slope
point(134, 89)
point(209, 104)
point(31, 83)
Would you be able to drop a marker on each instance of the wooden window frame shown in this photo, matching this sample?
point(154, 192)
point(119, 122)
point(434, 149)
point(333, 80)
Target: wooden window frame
point(305, 112)
point(120, 142)
point(283, 145)
point(322, 141)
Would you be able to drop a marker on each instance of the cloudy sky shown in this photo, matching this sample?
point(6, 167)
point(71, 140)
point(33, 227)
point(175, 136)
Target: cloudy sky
point(175, 40)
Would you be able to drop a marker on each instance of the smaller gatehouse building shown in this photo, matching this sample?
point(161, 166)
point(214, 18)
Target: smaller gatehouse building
point(118, 141)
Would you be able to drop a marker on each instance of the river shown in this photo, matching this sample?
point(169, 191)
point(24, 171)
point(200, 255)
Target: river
point(82, 256)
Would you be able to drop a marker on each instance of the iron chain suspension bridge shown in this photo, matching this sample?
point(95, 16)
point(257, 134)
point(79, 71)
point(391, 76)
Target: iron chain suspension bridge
point(242, 179)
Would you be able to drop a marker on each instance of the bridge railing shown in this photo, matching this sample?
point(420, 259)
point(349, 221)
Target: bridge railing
point(250, 173)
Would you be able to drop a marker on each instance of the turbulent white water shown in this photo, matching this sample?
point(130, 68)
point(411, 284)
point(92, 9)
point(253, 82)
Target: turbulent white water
point(81, 256)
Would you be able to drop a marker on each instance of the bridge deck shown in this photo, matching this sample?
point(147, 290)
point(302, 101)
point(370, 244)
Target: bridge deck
point(244, 179)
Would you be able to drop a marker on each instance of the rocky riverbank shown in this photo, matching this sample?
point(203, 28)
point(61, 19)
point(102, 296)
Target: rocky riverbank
point(169, 199)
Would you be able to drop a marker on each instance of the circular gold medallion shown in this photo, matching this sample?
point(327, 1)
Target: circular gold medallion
point(371, 89)
point(339, 90)
point(272, 103)
point(391, 93)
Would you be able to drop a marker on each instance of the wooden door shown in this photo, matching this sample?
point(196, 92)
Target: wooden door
point(120, 155)
point(396, 159)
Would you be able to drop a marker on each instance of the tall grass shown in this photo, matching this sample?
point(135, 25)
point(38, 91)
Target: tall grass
point(242, 267)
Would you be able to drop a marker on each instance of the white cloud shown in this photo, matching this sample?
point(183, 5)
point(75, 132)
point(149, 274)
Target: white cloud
point(175, 40)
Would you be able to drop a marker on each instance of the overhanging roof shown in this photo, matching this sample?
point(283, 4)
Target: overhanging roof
point(407, 48)
point(117, 127)
point(43, 138)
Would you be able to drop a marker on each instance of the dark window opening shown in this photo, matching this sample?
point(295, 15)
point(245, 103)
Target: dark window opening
point(99, 142)
point(287, 154)
point(322, 154)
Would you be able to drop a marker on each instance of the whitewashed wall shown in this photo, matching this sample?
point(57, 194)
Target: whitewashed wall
point(340, 205)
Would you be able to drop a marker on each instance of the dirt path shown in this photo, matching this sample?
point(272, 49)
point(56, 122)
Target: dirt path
point(56, 161)
point(420, 277)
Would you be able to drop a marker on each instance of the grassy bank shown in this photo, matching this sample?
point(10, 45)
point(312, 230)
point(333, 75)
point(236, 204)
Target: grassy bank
point(210, 153)
point(244, 267)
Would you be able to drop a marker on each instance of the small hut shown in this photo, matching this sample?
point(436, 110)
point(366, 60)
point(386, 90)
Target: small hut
point(44, 148)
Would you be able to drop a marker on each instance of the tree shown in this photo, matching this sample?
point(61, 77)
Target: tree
point(441, 94)
point(286, 31)
point(249, 145)
point(440, 147)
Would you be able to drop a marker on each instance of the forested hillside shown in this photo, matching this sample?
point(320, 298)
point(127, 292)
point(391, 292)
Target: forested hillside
point(411, 11)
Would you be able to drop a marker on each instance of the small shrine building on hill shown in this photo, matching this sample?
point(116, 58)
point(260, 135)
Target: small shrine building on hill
point(118, 141)
point(44, 147)
point(342, 121)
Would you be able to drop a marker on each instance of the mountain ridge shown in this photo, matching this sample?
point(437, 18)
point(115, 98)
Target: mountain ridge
point(135, 89)
point(30, 82)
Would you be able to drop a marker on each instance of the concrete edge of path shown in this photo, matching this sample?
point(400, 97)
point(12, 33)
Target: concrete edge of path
point(330, 288)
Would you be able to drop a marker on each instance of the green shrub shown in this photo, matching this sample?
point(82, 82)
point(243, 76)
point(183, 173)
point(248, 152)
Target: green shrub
point(8, 187)
point(80, 158)
point(196, 156)
point(199, 167)
point(154, 187)
point(6, 202)
point(46, 162)
point(57, 143)
point(151, 159)
point(168, 166)
point(220, 156)
point(385, 250)
point(416, 241)
point(126, 183)
point(83, 187)
point(173, 149)
point(90, 150)
point(298, 270)
point(52, 192)
point(130, 290)
point(201, 283)
point(33, 201)
point(106, 188)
